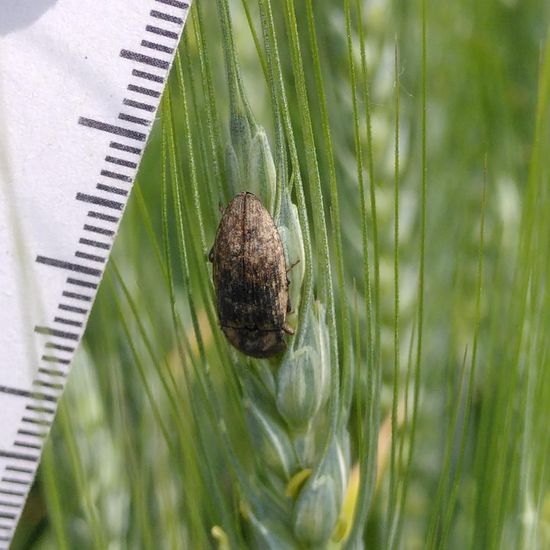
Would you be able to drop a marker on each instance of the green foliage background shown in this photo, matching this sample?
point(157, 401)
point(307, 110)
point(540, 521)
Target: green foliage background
point(444, 120)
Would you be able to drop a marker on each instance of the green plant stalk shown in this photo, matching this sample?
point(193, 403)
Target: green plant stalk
point(358, 353)
point(447, 481)
point(528, 247)
point(473, 366)
point(504, 478)
point(367, 448)
point(255, 38)
point(137, 193)
point(373, 294)
point(134, 470)
point(319, 222)
point(177, 202)
point(283, 179)
point(51, 490)
point(422, 267)
point(213, 130)
point(371, 171)
point(88, 504)
point(336, 223)
point(137, 481)
point(168, 385)
point(396, 347)
point(136, 355)
point(190, 157)
point(396, 526)
point(237, 96)
point(229, 56)
point(536, 284)
point(212, 196)
point(538, 452)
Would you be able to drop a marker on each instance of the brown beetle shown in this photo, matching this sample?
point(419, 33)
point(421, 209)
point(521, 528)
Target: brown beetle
point(250, 278)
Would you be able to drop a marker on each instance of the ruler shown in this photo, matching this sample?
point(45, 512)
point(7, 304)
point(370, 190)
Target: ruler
point(80, 84)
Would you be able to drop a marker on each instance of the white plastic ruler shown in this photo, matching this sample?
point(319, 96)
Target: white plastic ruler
point(80, 83)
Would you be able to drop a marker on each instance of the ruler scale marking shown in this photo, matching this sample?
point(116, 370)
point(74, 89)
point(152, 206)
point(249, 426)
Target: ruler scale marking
point(116, 176)
point(134, 119)
point(15, 493)
point(52, 345)
point(6, 504)
point(50, 359)
point(73, 296)
point(161, 32)
point(18, 456)
point(175, 4)
point(64, 321)
point(73, 309)
point(91, 257)
point(156, 46)
point(49, 385)
point(126, 148)
point(79, 282)
point(17, 392)
point(120, 162)
point(39, 421)
point(17, 469)
point(111, 189)
point(148, 76)
point(50, 372)
point(145, 59)
point(143, 90)
point(16, 482)
point(95, 244)
point(34, 408)
point(100, 230)
point(112, 129)
point(166, 17)
point(100, 201)
point(69, 266)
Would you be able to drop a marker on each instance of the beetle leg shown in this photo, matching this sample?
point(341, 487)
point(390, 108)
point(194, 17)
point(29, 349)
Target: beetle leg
point(288, 329)
point(293, 265)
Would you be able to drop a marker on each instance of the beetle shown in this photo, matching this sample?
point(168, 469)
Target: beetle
point(250, 278)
